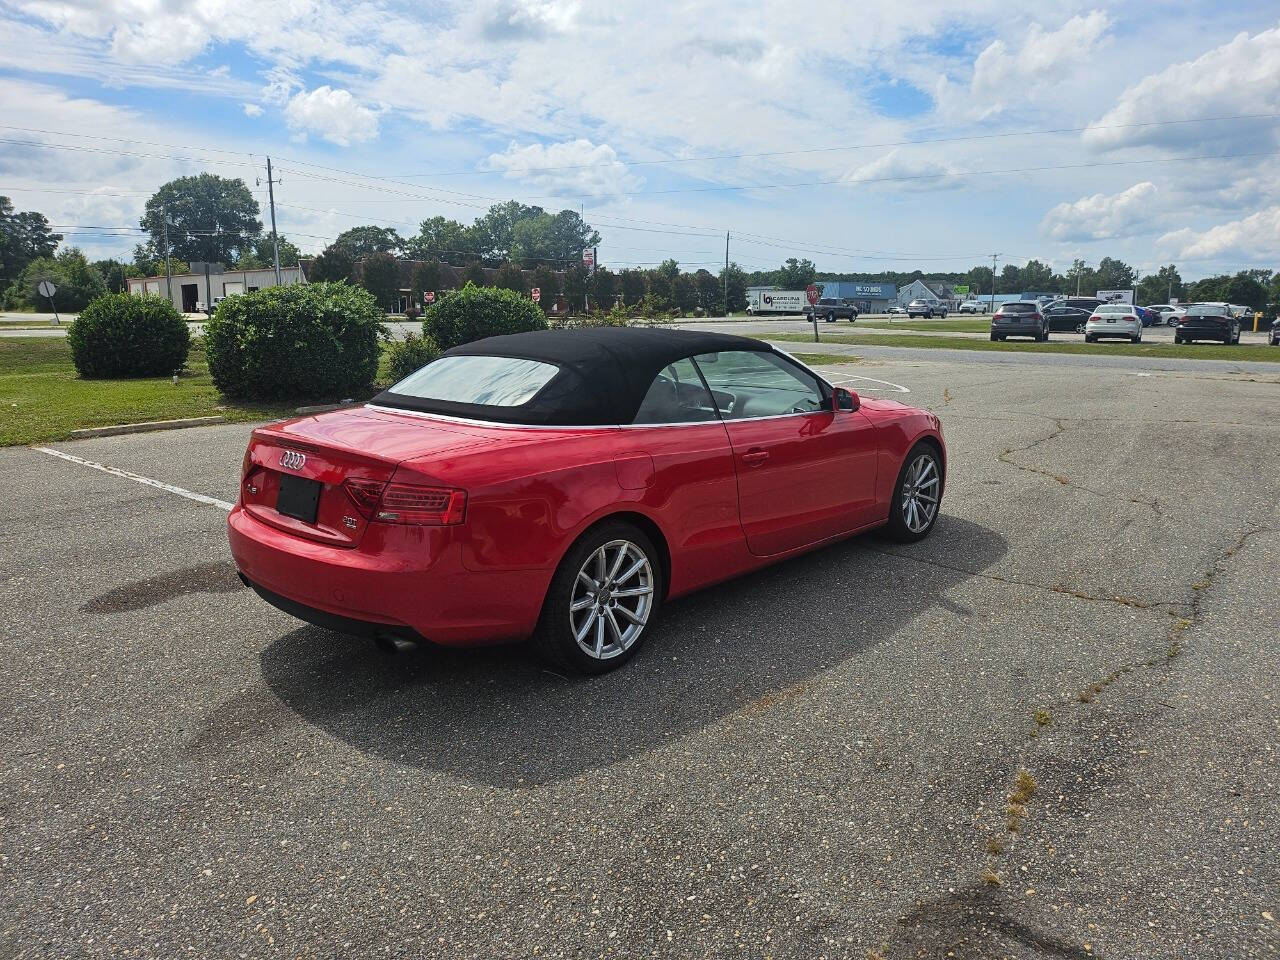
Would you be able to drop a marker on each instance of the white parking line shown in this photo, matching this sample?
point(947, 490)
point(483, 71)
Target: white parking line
point(888, 385)
point(136, 478)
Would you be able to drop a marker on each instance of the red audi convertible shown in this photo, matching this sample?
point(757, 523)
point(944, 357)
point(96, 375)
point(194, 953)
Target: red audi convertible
point(562, 485)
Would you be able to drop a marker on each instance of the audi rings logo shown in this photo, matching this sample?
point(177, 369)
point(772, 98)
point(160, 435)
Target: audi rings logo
point(293, 460)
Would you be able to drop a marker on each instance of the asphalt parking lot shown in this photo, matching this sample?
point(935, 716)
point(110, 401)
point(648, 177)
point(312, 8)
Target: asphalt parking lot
point(813, 761)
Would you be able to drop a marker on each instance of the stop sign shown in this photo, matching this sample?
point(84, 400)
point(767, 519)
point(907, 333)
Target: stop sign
point(811, 291)
point(429, 297)
point(536, 293)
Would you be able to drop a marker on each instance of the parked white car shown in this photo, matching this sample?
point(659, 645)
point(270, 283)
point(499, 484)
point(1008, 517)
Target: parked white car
point(1169, 313)
point(1114, 320)
point(972, 306)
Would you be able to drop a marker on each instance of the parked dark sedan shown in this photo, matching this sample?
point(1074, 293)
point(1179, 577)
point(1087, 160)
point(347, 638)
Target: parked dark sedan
point(1207, 321)
point(1071, 314)
point(1022, 318)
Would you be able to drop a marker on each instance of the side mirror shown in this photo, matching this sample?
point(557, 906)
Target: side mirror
point(845, 399)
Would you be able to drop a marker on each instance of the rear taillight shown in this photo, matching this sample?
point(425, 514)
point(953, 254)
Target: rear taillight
point(363, 494)
point(421, 506)
point(407, 503)
point(1095, 318)
point(1036, 316)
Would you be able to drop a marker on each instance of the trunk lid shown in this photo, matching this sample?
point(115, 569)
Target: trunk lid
point(321, 452)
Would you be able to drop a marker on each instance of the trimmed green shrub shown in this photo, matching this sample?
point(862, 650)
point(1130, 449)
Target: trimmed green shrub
point(314, 340)
point(474, 313)
point(409, 355)
point(122, 335)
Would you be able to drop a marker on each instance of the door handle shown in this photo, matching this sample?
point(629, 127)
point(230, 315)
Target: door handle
point(754, 458)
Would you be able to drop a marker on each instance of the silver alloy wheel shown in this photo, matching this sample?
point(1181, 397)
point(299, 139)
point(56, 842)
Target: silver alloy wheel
point(612, 598)
point(920, 493)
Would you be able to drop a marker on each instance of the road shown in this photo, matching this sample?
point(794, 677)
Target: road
point(813, 761)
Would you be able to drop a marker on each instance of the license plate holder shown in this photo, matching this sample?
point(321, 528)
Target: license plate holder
point(298, 497)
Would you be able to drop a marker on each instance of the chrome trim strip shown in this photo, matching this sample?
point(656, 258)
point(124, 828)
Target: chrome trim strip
point(585, 426)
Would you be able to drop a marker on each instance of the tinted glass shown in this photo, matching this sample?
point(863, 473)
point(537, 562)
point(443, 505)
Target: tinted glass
point(1018, 308)
point(1113, 309)
point(751, 383)
point(1205, 310)
point(490, 381)
point(677, 395)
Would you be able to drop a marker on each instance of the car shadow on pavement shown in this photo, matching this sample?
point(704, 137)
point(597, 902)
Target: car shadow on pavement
point(498, 716)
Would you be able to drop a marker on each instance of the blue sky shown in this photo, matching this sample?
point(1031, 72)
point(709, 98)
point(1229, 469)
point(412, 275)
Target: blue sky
point(868, 137)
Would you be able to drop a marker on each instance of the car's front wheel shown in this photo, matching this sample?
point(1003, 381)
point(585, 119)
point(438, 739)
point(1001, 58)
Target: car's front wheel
point(917, 495)
point(605, 593)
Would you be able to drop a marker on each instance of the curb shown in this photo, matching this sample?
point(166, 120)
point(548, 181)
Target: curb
point(145, 427)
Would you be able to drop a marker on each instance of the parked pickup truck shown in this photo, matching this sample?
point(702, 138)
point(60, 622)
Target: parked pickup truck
point(832, 310)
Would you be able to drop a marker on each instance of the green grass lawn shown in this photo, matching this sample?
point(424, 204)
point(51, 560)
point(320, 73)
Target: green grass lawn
point(42, 398)
point(1162, 351)
point(825, 359)
point(957, 325)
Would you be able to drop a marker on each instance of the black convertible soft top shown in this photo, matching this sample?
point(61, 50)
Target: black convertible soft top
point(604, 372)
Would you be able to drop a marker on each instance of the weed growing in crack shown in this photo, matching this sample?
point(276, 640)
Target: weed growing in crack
point(991, 878)
point(1042, 718)
point(995, 846)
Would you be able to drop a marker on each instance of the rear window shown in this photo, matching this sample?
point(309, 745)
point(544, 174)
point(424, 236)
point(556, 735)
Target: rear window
point(1018, 308)
point(1113, 308)
point(484, 381)
point(1206, 310)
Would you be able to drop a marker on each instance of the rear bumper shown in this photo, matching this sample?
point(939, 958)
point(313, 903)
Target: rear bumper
point(1126, 328)
point(1017, 329)
point(398, 580)
point(1200, 332)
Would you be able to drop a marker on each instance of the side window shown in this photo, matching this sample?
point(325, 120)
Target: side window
point(755, 383)
point(677, 395)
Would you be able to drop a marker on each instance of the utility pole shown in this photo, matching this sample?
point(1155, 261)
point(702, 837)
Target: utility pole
point(994, 258)
point(168, 274)
point(275, 239)
point(726, 273)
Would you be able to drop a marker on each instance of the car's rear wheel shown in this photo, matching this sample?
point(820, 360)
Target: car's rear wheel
point(605, 593)
point(1090, 338)
point(917, 495)
point(994, 338)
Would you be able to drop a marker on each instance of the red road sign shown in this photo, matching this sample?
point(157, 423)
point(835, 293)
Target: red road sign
point(811, 291)
point(536, 293)
point(429, 296)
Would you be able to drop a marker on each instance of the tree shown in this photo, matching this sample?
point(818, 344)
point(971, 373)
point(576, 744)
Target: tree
point(475, 273)
point(1010, 280)
point(569, 236)
point(685, 292)
point(77, 280)
point(979, 280)
point(380, 275)
point(113, 273)
point(23, 237)
point(736, 279)
point(1247, 290)
point(265, 253)
point(796, 274)
point(575, 286)
point(1038, 277)
point(441, 239)
point(334, 263)
point(510, 277)
point(1160, 286)
point(426, 276)
point(710, 293)
point(548, 283)
point(632, 283)
point(363, 241)
point(661, 287)
point(210, 218)
point(604, 287)
point(494, 233)
point(1114, 275)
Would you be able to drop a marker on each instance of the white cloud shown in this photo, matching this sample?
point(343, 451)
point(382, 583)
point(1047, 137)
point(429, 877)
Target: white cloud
point(905, 171)
point(333, 115)
point(251, 109)
point(1008, 74)
point(570, 168)
point(508, 20)
point(1237, 78)
point(1255, 237)
point(1102, 216)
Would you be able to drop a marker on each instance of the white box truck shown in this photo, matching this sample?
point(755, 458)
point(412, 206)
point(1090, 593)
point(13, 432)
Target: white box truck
point(776, 301)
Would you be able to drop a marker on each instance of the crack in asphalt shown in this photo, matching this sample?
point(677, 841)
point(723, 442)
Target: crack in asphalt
point(1002, 842)
point(1060, 427)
